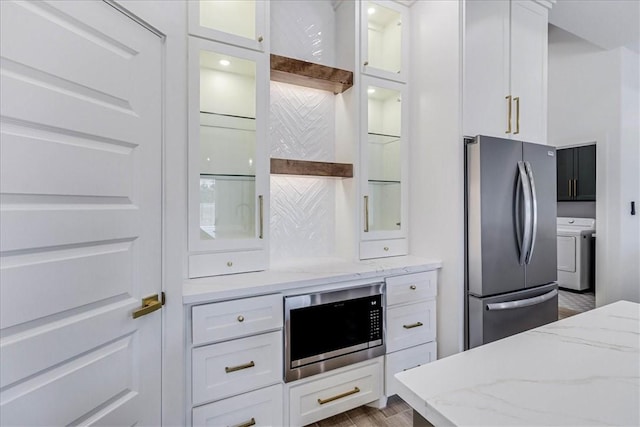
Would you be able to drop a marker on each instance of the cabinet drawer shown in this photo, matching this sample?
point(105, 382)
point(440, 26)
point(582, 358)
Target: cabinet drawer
point(383, 248)
point(230, 319)
point(348, 388)
point(263, 407)
point(403, 360)
point(410, 325)
point(217, 264)
point(411, 287)
point(233, 367)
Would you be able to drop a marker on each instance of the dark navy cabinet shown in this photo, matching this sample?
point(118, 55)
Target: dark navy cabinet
point(576, 174)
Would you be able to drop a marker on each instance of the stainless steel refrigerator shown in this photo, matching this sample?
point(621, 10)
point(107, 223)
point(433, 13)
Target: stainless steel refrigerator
point(511, 263)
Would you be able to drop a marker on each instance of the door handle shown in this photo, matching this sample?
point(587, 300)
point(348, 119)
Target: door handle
point(569, 182)
point(366, 214)
point(517, 101)
point(508, 98)
point(575, 188)
point(522, 302)
point(525, 243)
point(261, 216)
point(534, 211)
point(149, 305)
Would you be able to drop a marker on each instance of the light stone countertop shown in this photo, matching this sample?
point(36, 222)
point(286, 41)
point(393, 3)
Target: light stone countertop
point(302, 273)
point(579, 371)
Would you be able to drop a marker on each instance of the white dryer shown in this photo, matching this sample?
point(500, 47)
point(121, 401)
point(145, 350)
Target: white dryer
point(575, 257)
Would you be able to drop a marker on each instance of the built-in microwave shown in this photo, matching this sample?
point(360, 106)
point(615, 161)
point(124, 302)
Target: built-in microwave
point(328, 330)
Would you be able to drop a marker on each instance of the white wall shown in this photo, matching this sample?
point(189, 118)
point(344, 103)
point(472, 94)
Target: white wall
point(593, 96)
point(436, 196)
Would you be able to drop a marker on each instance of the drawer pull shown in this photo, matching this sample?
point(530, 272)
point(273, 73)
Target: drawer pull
point(406, 369)
point(241, 318)
point(339, 396)
point(412, 287)
point(413, 325)
point(239, 367)
point(249, 423)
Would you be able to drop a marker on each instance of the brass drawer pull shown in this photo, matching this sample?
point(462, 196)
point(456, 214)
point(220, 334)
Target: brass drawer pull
point(517, 101)
point(339, 396)
point(413, 325)
point(241, 318)
point(508, 98)
point(412, 287)
point(239, 367)
point(366, 214)
point(249, 423)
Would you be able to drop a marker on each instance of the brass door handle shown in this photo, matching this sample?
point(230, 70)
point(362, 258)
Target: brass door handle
point(517, 101)
point(149, 305)
point(508, 98)
point(249, 423)
point(339, 396)
point(261, 207)
point(239, 367)
point(413, 325)
point(366, 214)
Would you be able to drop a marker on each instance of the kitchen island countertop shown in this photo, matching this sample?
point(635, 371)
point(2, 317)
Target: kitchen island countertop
point(582, 370)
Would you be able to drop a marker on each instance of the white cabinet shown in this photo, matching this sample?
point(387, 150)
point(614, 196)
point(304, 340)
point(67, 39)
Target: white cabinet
point(411, 324)
point(333, 392)
point(240, 23)
point(505, 71)
point(228, 163)
point(237, 376)
point(384, 39)
point(384, 168)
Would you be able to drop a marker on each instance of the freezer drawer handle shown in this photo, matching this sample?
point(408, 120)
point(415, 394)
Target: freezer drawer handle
point(523, 302)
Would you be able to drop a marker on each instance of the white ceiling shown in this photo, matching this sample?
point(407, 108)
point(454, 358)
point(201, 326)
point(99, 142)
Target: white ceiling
point(608, 24)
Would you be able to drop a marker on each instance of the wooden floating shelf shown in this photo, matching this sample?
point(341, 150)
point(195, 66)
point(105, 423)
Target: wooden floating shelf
point(306, 167)
point(308, 74)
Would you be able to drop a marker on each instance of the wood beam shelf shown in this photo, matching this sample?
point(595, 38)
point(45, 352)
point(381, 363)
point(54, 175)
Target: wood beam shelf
point(306, 167)
point(308, 74)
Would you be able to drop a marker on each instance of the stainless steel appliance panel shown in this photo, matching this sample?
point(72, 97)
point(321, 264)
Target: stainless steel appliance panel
point(493, 252)
point(542, 261)
point(497, 317)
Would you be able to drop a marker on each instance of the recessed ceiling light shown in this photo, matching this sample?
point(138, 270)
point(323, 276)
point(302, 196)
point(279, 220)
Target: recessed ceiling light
point(224, 62)
point(371, 90)
point(371, 10)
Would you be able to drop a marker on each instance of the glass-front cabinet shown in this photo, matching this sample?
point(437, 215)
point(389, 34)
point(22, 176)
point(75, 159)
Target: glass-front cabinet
point(384, 38)
point(227, 159)
point(237, 22)
point(384, 168)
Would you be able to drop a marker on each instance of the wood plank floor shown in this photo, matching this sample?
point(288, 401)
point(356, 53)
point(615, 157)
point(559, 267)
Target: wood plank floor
point(396, 414)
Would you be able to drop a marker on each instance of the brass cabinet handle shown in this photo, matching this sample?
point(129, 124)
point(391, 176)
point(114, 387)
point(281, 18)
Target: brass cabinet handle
point(517, 101)
point(241, 318)
point(569, 182)
point(508, 98)
point(366, 214)
point(260, 38)
point(239, 367)
point(149, 305)
point(261, 209)
point(366, 63)
point(412, 287)
point(575, 188)
point(339, 396)
point(249, 423)
point(386, 248)
point(413, 325)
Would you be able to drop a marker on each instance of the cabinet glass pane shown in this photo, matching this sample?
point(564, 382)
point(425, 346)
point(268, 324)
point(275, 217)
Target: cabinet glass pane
point(384, 36)
point(227, 147)
point(230, 16)
point(384, 161)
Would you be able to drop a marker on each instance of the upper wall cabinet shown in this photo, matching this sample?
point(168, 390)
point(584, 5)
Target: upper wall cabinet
point(383, 168)
point(577, 174)
point(228, 168)
point(505, 73)
point(384, 38)
point(240, 23)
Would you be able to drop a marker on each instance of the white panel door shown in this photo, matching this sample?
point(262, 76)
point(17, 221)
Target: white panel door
point(80, 224)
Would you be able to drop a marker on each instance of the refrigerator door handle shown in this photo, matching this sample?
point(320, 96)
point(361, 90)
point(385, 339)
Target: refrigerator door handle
point(534, 210)
point(509, 305)
point(523, 182)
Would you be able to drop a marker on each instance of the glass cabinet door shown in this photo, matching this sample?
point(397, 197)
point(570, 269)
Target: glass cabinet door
point(237, 22)
point(384, 36)
point(226, 166)
point(383, 159)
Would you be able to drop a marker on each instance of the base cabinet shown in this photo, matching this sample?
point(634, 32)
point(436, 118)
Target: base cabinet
point(257, 408)
point(337, 391)
point(406, 359)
